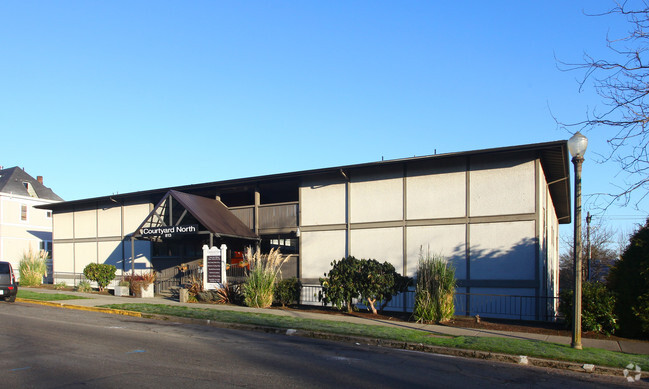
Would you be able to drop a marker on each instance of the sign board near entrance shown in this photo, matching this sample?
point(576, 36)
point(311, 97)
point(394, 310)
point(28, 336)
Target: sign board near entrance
point(214, 268)
point(169, 231)
point(214, 276)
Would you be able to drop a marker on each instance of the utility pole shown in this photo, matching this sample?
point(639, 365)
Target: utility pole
point(589, 256)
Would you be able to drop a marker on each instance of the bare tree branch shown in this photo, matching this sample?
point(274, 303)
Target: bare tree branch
point(623, 85)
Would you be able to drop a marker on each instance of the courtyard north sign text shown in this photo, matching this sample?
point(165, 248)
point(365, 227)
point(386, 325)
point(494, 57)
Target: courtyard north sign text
point(169, 231)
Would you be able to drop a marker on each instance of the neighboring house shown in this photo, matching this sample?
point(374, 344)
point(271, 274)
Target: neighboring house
point(21, 225)
point(493, 213)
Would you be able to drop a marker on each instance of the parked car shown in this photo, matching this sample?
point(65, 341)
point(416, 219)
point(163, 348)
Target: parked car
point(8, 285)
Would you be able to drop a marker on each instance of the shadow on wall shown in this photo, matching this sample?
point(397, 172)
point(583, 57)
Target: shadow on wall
point(115, 257)
point(517, 262)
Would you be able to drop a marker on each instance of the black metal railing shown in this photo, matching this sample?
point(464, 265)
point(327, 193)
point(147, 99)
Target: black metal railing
point(507, 306)
point(468, 304)
point(173, 277)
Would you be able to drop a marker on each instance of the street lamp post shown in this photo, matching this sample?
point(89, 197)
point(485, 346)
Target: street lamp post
point(577, 146)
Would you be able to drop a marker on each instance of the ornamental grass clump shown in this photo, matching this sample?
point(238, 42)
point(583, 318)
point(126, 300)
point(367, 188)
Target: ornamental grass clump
point(259, 288)
point(32, 267)
point(435, 289)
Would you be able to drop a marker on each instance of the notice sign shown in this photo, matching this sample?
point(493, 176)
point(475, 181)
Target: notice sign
point(214, 268)
point(214, 275)
point(169, 231)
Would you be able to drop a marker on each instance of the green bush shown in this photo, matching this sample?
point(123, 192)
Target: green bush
point(288, 291)
point(32, 267)
point(597, 304)
point(365, 279)
point(60, 285)
point(84, 286)
point(641, 311)
point(629, 280)
point(379, 282)
point(339, 287)
point(101, 273)
point(435, 289)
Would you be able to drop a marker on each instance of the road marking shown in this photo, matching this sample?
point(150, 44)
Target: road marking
point(21, 368)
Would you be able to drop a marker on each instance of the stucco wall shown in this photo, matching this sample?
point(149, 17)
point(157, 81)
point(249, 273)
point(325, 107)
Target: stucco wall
point(109, 221)
point(376, 195)
point(322, 202)
point(502, 193)
point(448, 241)
point(436, 191)
point(318, 250)
point(63, 225)
point(381, 244)
point(503, 251)
point(501, 186)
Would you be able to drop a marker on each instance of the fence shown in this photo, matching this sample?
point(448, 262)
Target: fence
point(174, 277)
point(507, 306)
point(468, 304)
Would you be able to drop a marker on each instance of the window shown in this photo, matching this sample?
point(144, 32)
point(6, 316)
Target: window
point(47, 246)
point(286, 244)
point(49, 214)
point(23, 212)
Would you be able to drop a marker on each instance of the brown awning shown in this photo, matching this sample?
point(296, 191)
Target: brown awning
point(212, 214)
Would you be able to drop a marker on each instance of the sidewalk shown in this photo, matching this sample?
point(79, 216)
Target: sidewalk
point(95, 300)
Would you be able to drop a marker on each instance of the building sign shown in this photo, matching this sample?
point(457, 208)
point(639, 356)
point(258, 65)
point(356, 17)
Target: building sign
point(214, 276)
point(214, 268)
point(169, 231)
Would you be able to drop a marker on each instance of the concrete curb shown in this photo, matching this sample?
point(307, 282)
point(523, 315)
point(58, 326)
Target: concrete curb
point(80, 308)
point(486, 355)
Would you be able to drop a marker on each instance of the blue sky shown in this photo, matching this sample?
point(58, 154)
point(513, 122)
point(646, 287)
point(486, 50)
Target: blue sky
point(112, 97)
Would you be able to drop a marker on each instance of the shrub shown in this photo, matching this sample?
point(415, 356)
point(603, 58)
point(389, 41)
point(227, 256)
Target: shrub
point(84, 286)
point(229, 294)
point(641, 311)
point(101, 273)
point(379, 282)
point(60, 285)
point(194, 287)
point(435, 289)
point(258, 290)
point(629, 280)
point(288, 291)
point(339, 287)
point(597, 304)
point(204, 296)
point(367, 279)
point(32, 267)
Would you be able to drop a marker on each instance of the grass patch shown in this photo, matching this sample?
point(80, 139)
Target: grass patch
point(532, 348)
point(28, 294)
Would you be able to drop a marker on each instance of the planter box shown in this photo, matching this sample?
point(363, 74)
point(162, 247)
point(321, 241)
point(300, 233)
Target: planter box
point(122, 290)
point(145, 291)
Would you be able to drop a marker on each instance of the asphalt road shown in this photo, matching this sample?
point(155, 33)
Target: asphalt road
point(44, 347)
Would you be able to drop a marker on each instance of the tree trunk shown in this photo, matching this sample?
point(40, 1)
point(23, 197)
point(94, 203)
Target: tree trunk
point(372, 305)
